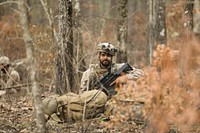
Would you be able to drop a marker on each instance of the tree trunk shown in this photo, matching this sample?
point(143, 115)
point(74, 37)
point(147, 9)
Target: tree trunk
point(64, 60)
point(78, 42)
point(49, 15)
point(40, 119)
point(196, 17)
point(151, 25)
point(160, 27)
point(122, 31)
point(188, 12)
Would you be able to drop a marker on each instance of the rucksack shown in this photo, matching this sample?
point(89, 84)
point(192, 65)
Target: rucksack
point(76, 107)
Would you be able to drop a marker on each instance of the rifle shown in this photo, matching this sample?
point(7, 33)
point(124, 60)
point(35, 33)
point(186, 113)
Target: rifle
point(106, 80)
point(22, 85)
point(17, 86)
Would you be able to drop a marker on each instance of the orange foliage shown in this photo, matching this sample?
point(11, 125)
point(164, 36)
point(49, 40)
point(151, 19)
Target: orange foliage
point(9, 27)
point(168, 94)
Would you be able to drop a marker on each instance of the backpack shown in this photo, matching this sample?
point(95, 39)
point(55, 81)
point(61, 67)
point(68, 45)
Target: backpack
point(77, 107)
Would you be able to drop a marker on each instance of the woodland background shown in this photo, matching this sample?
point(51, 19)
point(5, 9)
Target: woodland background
point(159, 36)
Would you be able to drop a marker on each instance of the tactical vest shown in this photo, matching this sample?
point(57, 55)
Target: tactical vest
point(96, 72)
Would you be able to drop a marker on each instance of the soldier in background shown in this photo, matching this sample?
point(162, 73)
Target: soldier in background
point(8, 76)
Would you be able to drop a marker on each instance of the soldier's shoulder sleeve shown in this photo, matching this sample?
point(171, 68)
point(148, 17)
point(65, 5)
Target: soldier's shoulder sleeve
point(88, 71)
point(13, 78)
point(86, 77)
point(15, 75)
point(85, 80)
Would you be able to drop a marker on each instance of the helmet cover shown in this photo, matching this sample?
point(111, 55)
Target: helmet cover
point(107, 48)
point(4, 61)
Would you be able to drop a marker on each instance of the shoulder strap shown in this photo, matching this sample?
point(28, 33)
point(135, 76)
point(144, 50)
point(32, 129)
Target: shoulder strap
point(114, 67)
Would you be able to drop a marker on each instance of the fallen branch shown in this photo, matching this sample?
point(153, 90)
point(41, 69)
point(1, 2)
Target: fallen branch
point(17, 86)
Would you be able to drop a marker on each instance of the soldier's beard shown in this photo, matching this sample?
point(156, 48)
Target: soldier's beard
point(105, 63)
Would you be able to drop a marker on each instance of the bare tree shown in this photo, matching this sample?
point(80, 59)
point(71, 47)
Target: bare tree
point(64, 59)
point(188, 12)
point(160, 27)
point(40, 119)
point(78, 42)
point(49, 14)
point(122, 31)
point(151, 25)
point(196, 17)
point(156, 26)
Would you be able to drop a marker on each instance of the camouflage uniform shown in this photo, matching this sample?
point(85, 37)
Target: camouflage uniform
point(72, 107)
point(91, 75)
point(95, 71)
point(8, 76)
point(91, 101)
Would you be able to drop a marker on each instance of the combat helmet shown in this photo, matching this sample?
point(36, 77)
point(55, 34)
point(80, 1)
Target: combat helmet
point(4, 61)
point(107, 48)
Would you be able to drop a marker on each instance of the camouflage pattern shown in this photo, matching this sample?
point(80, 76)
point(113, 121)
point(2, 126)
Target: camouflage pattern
point(106, 48)
point(72, 107)
point(4, 61)
point(8, 76)
point(91, 75)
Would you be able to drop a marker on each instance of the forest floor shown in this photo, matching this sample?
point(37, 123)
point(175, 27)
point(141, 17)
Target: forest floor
point(17, 115)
